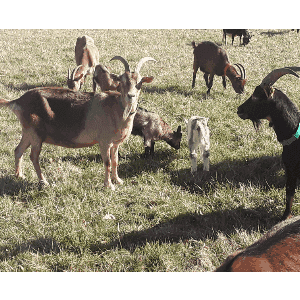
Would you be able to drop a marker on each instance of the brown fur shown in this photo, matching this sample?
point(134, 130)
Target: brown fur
point(277, 251)
point(73, 119)
point(212, 60)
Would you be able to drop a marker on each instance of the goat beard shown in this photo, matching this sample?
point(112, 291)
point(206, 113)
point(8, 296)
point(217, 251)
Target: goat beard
point(256, 124)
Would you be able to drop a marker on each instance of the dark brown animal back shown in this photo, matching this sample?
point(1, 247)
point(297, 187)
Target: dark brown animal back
point(55, 112)
point(211, 58)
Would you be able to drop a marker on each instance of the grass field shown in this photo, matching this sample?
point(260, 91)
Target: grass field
point(164, 218)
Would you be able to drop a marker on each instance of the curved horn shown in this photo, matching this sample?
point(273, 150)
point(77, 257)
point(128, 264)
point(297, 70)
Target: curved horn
point(69, 73)
point(272, 77)
point(242, 70)
point(141, 62)
point(124, 61)
point(74, 72)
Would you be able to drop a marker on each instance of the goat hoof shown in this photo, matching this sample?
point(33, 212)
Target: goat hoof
point(43, 183)
point(109, 186)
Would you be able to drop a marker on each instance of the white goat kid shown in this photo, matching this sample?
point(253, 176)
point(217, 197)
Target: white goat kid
point(198, 138)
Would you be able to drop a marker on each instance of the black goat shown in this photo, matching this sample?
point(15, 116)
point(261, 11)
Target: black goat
point(276, 251)
point(152, 127)
point(238, 32)
point(213, 60)
point(270, 103)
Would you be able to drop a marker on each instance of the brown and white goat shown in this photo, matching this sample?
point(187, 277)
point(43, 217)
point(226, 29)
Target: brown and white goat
point(152, 128)
point(277, 251)
point(238, 32)
point(283, 115)
point(87, 57)
point(213, 60)
point(72, 119)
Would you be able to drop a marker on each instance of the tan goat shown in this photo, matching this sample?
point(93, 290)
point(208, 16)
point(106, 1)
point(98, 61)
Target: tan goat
point(71, 119)
point(87, 57)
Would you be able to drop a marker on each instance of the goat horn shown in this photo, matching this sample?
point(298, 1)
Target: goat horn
point(141, 62)
point(242, 70)
point(74, 72)
point(273, 76)
point(69, 74)
point(124, 61)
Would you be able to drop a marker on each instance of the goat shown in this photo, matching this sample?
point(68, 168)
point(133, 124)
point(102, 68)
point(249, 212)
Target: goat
point(152, 128)
point(276, 251)
point(213, 60)
point(105, 79)
point(198, 137)
point(238, 32)
point(72, 119)
point(87, 57)
point(272, 104)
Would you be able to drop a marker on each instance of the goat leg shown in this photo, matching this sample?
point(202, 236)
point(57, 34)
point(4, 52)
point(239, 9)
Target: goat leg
point(224, 81)
point(20, 149)
point(34, 157)
point(105, 154)
point(211, 79)
point(291, 182)
point(114, 163)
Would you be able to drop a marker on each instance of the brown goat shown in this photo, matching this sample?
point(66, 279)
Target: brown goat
point(277, 251)
point(213, 60)
point(105, 79)
point(152, 128)
point(71, 119)
point(87, 57)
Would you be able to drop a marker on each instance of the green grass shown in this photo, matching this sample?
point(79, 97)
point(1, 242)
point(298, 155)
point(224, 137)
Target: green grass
point(164, 218)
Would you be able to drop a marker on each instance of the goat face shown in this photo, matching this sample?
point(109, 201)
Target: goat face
point(130, 87)
point(238, 84)
point(246, 39)
point(258, 106)
point(177, 135)
point(77, 79)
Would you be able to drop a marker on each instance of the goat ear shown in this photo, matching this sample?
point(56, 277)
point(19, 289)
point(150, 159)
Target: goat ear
point(78, 78)
point(179, 129)
point(147, 79)
point(244, 81)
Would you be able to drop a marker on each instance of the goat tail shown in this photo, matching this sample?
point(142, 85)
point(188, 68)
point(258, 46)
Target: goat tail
point(193, 44)
point(4, 102)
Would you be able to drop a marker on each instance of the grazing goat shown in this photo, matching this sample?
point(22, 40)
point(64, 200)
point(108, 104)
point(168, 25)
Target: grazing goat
point(238, 32)
point(152, 127)
point(71, 119)
point(87, 57)
point(198, 137)
point(105, 79)
point(270, 103)
point(213, 60)
point(277, 251)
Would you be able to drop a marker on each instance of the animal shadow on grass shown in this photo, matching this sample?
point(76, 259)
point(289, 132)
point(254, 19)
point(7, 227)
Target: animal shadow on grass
point(202, 226)
point(132, 164)
point(271, 33)
point(181, 90)
point(194, 226)
point(265, 171)
point(10, 185)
